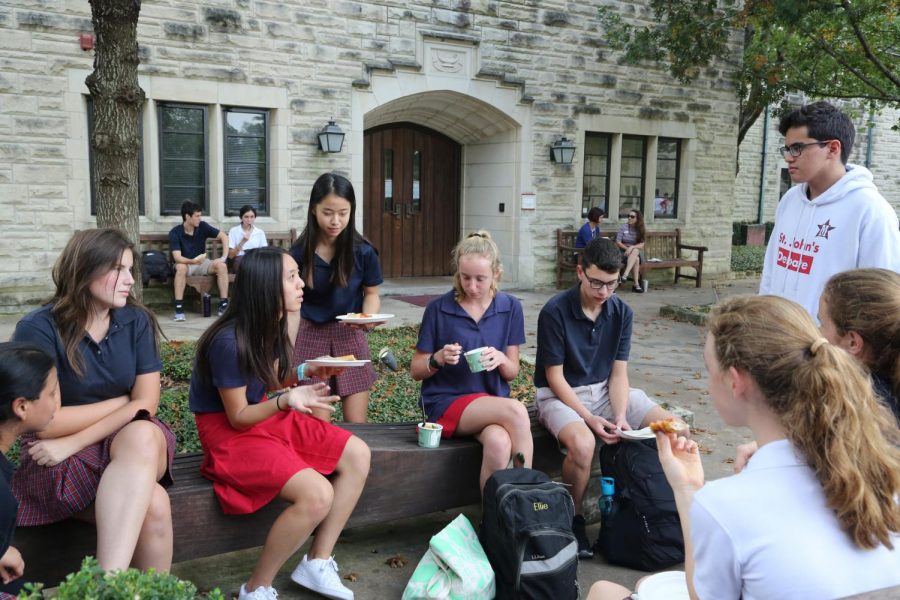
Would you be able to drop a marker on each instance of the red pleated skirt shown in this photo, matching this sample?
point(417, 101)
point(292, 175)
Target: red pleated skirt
point(249, 468)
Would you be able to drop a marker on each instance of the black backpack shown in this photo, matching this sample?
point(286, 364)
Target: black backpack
point(154, 264)
point(643, 530)
point(526, 532)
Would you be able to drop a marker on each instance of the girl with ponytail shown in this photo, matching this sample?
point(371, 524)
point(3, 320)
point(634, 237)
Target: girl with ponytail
point(815, 512)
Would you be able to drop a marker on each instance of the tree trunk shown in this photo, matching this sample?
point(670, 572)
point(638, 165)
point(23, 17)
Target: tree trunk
point(117, 101)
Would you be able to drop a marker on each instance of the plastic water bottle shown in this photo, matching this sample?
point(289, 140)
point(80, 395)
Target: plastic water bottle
point(607, 496)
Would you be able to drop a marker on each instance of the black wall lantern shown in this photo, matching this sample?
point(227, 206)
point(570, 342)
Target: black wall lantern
point(331, 138)
point(562, 151)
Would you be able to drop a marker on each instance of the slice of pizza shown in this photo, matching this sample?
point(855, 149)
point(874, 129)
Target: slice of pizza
point(345, 357)
point(670, 425)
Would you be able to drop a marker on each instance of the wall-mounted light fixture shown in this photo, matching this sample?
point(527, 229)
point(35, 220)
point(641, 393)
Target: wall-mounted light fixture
point(562, 151)
point(331, 138)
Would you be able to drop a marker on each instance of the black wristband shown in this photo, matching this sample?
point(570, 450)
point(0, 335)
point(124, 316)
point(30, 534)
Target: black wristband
point(278, 402)
point(433, 364)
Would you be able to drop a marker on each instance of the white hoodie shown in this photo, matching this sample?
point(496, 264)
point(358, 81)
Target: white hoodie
point(849, 226)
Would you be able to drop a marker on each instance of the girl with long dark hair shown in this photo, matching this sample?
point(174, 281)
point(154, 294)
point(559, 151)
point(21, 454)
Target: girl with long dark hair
point(630, 240)
point(342, 275)
point(258, 449)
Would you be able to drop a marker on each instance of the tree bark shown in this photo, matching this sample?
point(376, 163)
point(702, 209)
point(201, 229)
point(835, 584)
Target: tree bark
point(117, 102)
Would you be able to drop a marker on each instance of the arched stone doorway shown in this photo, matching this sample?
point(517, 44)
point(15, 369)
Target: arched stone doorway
point(411, 200)
point(454, 165)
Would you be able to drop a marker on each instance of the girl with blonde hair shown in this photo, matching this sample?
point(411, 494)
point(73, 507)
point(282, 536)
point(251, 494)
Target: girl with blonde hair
point(859, 311)
point(815, 512)
point(475, 315)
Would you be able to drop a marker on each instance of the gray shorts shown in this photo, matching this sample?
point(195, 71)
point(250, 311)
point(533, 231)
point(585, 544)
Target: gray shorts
point(201, 269)
point(554, 414)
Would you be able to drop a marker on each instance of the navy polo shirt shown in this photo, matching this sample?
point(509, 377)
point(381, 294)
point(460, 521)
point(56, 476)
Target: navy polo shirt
point(222, 361)
point(8, 508)
point(8, 505)
point(191, 246)
point(325, 300)
point(110, 367)
point(586, 349)
point(445, 322)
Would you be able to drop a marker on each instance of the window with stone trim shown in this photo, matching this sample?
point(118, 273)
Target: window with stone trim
point(668, 159)
point(246, 159)
point(595, 191)
point(183, 156)
point(93, 184)
point(631, 175)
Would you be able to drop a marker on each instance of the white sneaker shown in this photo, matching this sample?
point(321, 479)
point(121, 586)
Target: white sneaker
point(260, 593)
point(179, 316)
point(321, 575)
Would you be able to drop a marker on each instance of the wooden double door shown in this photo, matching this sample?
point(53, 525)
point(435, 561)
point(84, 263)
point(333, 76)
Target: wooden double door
point(411, 177)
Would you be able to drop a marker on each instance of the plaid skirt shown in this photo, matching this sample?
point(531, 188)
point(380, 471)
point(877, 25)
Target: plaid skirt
point(335, 339)
point(249, 467)
point(51, 494)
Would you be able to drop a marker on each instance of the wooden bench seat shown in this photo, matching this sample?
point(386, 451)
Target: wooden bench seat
point(404, 481)
point(663, 245)
point(204, 283)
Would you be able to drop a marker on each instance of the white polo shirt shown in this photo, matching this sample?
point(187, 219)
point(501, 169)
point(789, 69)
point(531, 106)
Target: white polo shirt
point(766, 533)
point(257, 239)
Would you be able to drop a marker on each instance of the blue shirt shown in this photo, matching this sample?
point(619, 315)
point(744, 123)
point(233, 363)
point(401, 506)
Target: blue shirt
point(224, 372)
point(110, 367)
point(446, 322)
point(325, 300)
point(586, 234)
point(193, 245)
point(586, 349)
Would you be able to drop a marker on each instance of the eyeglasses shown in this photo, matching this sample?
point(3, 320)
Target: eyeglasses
point(599, 285)
point(632, 216)
point(796, 150)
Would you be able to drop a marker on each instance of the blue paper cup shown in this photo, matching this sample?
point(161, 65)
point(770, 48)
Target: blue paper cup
point(429, 434)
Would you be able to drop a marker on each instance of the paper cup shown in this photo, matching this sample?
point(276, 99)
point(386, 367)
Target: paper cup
point(429, 434)
point(473, 357)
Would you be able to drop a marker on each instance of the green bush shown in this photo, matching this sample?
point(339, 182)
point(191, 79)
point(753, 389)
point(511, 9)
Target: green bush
point(91, 582)
point(747, 259)
point(393, 397)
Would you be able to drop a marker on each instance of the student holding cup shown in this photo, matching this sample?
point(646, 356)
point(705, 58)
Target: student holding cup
point(469, 401)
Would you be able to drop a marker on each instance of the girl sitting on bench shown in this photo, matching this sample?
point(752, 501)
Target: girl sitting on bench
point(29, 397)
point(474, 400)
point(815, 512)
point(105, 458)
point(256, 450)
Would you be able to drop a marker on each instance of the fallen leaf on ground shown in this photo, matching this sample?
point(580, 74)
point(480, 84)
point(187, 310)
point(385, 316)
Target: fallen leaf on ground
point(728, 461)
point(396, 562)
point(351, 576)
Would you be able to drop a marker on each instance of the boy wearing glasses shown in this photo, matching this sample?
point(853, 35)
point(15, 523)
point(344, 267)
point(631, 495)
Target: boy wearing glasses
point(581, 373)
point(834, 220)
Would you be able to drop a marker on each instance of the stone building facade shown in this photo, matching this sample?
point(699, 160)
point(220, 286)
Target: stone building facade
point(238, 90)
point(877, 147)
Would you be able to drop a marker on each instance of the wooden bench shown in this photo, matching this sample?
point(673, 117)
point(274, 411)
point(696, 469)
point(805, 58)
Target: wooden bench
point(404, 481)
point(204, 283)
point(663, 245)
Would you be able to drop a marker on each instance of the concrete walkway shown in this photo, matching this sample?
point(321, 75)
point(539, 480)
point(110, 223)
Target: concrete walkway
point(666, 361)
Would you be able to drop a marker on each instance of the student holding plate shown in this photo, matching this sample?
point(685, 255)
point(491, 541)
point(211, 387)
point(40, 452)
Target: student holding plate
point(342, 275)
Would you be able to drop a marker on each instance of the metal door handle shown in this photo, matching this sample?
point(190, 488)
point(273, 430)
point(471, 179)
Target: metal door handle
point(397, 211)
point(408, 210)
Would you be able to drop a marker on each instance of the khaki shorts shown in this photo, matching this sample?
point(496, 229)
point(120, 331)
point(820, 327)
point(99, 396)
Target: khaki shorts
point(554, 414)
point(201, 269)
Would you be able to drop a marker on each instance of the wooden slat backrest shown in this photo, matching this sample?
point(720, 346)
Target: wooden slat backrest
point(160, 242)
point(661, 245)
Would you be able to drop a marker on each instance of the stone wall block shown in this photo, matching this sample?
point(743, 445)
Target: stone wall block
point(184, 31)
point(37, 173)
point(451, 17)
